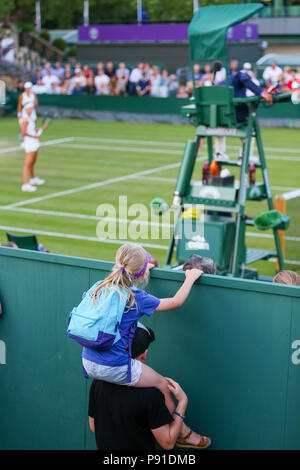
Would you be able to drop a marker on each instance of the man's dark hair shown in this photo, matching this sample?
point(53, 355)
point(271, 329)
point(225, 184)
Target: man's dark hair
point(207, 265)
point(143, 336)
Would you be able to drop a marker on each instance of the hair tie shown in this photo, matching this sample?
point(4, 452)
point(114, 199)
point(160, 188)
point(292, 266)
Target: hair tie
point(123, 269)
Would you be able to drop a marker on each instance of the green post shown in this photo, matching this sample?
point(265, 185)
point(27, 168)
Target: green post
point(268, 189)
point(239, 230)
point(186, 168)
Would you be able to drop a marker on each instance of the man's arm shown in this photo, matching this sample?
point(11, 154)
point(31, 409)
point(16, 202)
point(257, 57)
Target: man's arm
point(92, 424)
point(167, 435)
point(257, 90)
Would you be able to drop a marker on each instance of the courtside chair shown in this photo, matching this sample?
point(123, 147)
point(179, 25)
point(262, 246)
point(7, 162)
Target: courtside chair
point(27, 242)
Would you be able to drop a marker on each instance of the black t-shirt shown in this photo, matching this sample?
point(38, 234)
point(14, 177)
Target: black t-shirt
point(124, 416)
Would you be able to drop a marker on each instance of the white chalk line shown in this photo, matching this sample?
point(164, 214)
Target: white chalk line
point(100, 240)
point(173, 180)
point(174, 144)
point(152, 151)
point(85, 216)
point(42, 144)
point(291, 195)
point(78, 237)
point(95, 185)
point(123, 220)
point(120, 149)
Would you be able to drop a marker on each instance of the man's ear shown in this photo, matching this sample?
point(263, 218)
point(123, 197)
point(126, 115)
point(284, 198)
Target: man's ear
point(142, 357)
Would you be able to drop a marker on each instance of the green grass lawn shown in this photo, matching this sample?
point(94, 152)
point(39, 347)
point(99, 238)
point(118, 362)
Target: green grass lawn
point(112, 153)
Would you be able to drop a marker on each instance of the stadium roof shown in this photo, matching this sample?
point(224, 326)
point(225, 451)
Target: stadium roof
point(280, 59)
point(69, 35)
point(208, 29)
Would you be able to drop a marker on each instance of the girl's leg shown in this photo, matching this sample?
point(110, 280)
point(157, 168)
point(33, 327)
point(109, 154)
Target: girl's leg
point(31, 169)
point(150, 378)
point(29, 158)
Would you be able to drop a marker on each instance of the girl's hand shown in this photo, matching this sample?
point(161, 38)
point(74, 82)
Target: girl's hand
point(193, 274)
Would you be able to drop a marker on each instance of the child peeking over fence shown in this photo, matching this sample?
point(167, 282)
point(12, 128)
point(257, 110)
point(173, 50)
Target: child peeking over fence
point(106, 319)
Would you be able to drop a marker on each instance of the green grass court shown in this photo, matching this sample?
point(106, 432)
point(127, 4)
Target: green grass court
point(88, 163)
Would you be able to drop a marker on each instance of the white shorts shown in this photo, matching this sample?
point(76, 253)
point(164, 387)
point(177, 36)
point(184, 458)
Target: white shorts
point(30, 144)
point(117, 374)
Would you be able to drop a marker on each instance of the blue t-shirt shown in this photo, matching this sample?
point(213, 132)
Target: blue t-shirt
point(117, 355)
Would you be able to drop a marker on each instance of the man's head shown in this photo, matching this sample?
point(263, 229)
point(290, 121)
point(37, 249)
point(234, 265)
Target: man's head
point(273, 64)
point(207, 265)
point(142, 338)
point(234, 65)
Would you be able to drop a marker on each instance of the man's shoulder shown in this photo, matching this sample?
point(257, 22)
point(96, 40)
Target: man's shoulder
point(146, 392)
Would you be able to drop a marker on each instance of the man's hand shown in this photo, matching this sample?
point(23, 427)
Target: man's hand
point(176, 390)
point(267, 97)
point(193, 274)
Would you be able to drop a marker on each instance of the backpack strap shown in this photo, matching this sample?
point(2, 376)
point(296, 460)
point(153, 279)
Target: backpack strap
point(85, 374)
point(130, 330)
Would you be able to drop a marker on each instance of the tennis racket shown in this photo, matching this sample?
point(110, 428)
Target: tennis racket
point(46, 122)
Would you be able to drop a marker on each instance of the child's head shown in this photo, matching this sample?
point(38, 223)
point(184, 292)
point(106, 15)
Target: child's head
point(132, 262)
point(287, 277)
point(131, 268)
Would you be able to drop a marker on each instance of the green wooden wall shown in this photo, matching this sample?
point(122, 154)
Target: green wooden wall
point(234, 347)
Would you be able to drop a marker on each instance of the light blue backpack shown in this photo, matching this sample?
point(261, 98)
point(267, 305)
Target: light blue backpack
point(96, 324)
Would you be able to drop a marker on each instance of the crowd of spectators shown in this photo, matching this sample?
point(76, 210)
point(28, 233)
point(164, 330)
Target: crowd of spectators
point(105, 79)
point(285, 79)
point(147, 80)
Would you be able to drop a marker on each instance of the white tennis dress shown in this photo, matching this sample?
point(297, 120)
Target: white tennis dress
point(26, 100)
point(30, 144)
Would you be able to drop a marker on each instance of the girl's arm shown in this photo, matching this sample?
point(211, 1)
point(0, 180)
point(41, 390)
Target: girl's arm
point(23, 131)
point(23, 128)
point(19, 107)
point(191, 275)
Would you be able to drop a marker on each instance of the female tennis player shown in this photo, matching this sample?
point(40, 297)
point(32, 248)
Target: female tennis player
point(30, 138)
point(25, 98)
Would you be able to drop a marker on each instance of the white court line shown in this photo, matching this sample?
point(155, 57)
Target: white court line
point(268, 235)
point(121, 220)
point(150, 150)
point(42, 144)
point(173, 180)
point(84, 216)
point(100, 240)
point(78, 237)
point(121, 149)
point(96, 185)
point(287, 261)
point(175, 144)
point(127, 141)
point(291, 195)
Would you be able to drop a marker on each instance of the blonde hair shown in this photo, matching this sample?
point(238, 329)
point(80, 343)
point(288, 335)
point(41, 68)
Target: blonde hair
point(130, 260)
point(287, 277)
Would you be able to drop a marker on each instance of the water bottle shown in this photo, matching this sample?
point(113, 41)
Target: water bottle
point(252, 170)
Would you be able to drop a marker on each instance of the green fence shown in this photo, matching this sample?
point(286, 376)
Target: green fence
point(234, 347)
point(143, 109)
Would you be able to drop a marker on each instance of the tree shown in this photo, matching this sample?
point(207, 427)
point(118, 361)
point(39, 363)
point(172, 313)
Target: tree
point(68, 14)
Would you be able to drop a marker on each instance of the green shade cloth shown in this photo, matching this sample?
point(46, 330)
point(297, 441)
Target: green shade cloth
point(268, 220)
point(208, 29)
